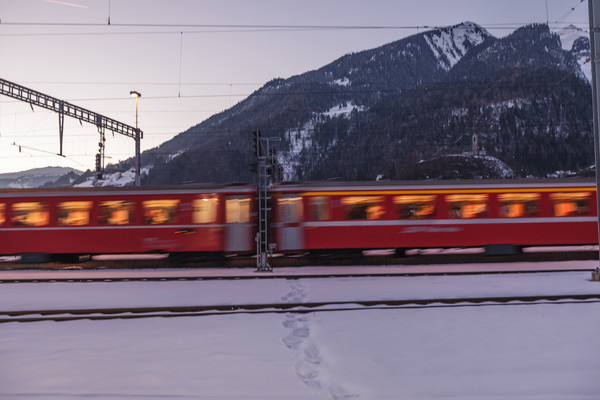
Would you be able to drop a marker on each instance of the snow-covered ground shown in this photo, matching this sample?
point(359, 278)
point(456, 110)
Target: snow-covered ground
point(534, 351)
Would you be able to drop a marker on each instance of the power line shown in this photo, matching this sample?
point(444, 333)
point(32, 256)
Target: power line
point(323, 92)
point(233, 26)
point(567, 13)
point(142, 83)
point(242, 28)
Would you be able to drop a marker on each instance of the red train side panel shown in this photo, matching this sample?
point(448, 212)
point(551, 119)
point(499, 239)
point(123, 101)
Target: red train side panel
point(126, 220)
point(455, 214)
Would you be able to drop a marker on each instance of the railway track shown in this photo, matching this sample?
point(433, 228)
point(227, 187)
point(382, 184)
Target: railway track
point(276, 275)
point(64, 315)
point(422, 257)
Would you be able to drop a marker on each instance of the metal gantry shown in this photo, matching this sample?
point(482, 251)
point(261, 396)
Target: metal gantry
point(267, 170)
point(35, 98)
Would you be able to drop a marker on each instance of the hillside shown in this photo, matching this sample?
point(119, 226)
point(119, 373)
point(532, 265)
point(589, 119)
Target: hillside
point(39, 177)
point(381, 112)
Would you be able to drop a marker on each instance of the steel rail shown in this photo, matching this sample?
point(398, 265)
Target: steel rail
point(279, 276)
point(308, 307)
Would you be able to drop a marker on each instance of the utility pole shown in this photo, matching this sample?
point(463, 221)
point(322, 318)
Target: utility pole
point(594, 14)
point(138, 136)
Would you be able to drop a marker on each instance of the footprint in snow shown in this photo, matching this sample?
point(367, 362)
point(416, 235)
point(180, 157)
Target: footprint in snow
point(311, 354)
point(297, 293)
point(295, 339)
point(309, 375)
point(310, 364)
point(292, 321)
point(337, 392)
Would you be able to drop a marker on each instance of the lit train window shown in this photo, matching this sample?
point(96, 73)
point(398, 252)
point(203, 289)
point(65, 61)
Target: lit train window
point(363, 207)
point(116, 212)
point(415, 206)
point(30, 214)
point(73, 213)
point(290, 209)
point(515, 205)
point(319, 208)
point(158, 212)
point(205, 210)
point(467, 205)
point(568, 204)
point(2, 217)
point(237, 211)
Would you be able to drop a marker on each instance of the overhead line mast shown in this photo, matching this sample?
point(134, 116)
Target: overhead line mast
point(268, 172)
point(594, 15)
point(35, 98)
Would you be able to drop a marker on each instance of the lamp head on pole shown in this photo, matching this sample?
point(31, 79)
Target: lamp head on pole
point(133, 93)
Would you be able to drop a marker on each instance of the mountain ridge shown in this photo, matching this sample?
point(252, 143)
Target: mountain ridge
point(378, 112)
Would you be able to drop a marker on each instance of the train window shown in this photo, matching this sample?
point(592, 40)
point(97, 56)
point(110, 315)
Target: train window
point(2, 217)
point(290, 209)
point(73, 213)
point(157, 212)
point(415, 206)
point(116, 212)
point(30, 214)
point(319, 208)
point(467, 205)
point(205, 210)
point(568, 204)
point(515, 205)
point(363, 207)
point(237, 211)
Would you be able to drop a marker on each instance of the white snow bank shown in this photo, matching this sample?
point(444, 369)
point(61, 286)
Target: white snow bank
point(487, 352)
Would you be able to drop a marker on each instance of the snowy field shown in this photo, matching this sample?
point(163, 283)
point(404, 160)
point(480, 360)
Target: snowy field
point(494, 352)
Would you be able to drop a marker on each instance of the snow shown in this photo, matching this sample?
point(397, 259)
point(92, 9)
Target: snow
point(34, 177)
point(120, 178)
point(342, 82)
point(175, 155)
point(343, 110)
point(568, 36)
point(519, 352)
point(301, 141)
point(448, 44)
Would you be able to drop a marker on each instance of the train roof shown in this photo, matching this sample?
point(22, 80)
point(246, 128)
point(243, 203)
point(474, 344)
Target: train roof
point(306, 186)
point(183, 188)
point(432, 184)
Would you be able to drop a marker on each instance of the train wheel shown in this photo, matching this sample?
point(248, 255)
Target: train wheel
point(400, 252)
point(502, 249)
point(34, 258)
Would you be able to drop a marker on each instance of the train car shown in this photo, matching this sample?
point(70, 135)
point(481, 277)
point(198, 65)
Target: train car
point(63, 223)
point(501, 216)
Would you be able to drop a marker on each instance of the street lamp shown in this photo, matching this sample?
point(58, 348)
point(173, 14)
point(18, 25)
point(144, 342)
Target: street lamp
point(138, 180)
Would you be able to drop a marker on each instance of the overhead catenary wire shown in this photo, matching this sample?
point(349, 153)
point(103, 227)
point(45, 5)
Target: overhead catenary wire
point(180, 61)
point(210, 29)
point(567, 13)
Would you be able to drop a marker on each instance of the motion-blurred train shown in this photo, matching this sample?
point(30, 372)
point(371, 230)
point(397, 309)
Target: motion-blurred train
point(500, 216)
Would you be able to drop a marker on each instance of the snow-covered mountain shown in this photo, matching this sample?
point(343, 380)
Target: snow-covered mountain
point(38, 177)
point(449, 45)
point(577, 42)
point(378, 112)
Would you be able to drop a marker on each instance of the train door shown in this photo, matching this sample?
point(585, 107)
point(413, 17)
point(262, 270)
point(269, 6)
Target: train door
point(238, 230)
point(290, 222)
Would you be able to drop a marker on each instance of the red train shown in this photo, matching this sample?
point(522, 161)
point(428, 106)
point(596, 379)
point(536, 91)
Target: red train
point(502, 216)
point(40, 224)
